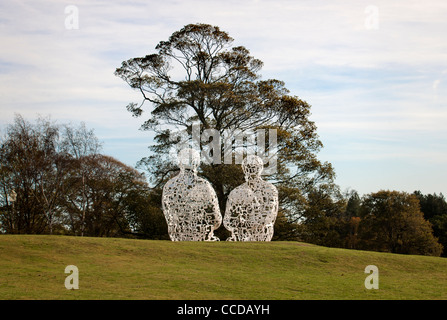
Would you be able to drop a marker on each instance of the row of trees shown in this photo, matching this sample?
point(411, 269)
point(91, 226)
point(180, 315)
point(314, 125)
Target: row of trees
point(389, 221)
point(54, 180)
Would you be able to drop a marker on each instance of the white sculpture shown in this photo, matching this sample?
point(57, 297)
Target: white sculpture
point(253, 206)
point(190, 203)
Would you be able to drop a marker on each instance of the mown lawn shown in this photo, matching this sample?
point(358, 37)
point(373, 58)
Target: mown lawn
point(32, 267)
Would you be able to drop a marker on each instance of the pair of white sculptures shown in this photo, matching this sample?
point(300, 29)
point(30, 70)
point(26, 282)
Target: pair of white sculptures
point(192, 211)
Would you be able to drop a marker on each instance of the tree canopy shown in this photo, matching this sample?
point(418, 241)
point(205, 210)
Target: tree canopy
point(197, 76)
point(392, 221)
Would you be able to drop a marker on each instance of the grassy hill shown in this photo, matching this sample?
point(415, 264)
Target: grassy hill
point(32, 267)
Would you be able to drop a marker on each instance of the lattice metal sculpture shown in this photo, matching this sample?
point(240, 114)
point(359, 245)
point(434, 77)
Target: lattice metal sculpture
point(253, 206)
point(190, 203)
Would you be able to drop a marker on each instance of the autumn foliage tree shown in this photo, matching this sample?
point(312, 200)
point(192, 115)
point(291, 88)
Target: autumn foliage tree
point(392, 221)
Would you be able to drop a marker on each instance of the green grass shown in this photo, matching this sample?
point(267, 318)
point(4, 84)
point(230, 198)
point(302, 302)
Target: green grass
point(32, 267)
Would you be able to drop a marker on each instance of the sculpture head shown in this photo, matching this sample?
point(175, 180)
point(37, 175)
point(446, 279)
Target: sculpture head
point(252, 166)
point(188, 159)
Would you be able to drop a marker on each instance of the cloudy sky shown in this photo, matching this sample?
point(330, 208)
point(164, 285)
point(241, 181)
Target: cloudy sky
point(375, 73)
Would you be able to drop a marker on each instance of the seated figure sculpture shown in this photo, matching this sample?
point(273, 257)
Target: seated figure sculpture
point(189, 202)
point(253, 206)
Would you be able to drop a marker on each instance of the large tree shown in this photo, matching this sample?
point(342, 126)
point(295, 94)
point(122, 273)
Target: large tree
point(197, 76)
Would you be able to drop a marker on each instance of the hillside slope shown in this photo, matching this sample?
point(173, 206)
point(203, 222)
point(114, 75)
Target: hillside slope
point(32, 267)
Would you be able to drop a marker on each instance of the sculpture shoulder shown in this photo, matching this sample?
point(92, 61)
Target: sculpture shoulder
point(204, 187)
point(270, 187)
point(241, 189)
point(171, 183)
point(202, 181)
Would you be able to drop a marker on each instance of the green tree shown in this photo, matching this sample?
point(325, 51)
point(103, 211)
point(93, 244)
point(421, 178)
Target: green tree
point(439, 224)
point(392, 221)
point(432, 204)
point(146, 219)
point(197, 76)
point(324, 223)
point(99, 202)
point(352, 219)
point(354, 204)
point(434, 208)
